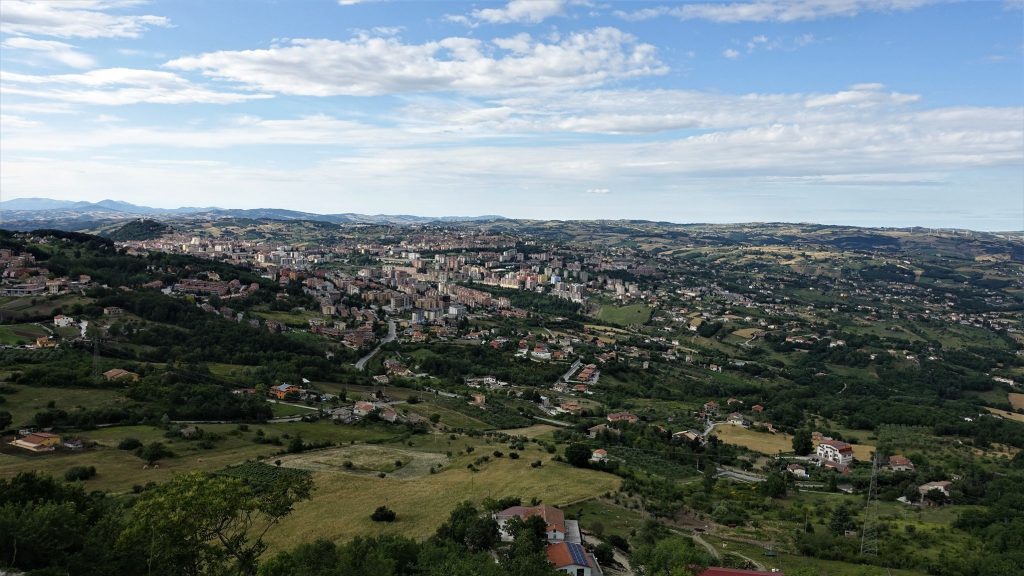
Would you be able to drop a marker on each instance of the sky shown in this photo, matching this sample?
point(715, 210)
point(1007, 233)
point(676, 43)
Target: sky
point(863, 112)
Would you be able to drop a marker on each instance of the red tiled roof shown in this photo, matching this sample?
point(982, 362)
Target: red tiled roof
point(553, 517)
point(562, 555)
point(838, 445)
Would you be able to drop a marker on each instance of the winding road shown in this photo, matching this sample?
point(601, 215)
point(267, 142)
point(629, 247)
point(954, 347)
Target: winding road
point(392, 332)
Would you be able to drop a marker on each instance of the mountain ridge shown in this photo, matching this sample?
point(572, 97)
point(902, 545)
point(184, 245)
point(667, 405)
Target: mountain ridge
point(22, 212)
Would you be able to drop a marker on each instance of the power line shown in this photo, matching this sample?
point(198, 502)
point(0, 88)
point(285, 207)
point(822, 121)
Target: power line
point(869, 533)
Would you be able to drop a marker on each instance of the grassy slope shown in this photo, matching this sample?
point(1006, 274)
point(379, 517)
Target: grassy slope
point(625, 315)
point(342, 504)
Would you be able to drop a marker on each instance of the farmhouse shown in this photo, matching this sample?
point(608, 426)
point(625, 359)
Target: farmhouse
point(553, 518)
point(687, 435)
point(835, 451)
point(711, 408)
point(572, 559)
point(599, 455)
point(38, 442)
point(572, 406)
point(737, 419)
point(899, 463)
point(941, 486)
point(623, 417)
point(797, 470)
point(61, 321)
point(120, 374)
point(362, 408)
point(283, 390)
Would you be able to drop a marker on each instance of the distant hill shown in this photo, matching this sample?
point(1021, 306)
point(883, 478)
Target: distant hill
point(32, 213)
point(144, 229)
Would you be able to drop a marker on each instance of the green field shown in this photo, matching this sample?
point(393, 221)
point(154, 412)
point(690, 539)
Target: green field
point(284, 410)
point(17, 334)
point(450, 418)
point(37, 308)
point(342, 503)
point(26, 401)
point(598, 515)
point(625, 315)
point(293, 319)
point(119, 470)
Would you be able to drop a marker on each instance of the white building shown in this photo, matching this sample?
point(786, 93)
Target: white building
point(835, 451)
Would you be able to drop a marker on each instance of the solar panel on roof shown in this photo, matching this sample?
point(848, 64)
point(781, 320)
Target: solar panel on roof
point(579, 556)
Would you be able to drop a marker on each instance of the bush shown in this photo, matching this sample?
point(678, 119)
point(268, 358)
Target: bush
point(129, 444)
point(79, 473)
point(153, 452)
point(619, 542)
point(578, 455)
point(383, 514)
point(604, 553)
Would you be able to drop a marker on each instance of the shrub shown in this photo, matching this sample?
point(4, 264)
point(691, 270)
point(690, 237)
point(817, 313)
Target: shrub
point(153, 452)
point(383, 514)
point(619, 542)
point(129, 444)
point(79, 473)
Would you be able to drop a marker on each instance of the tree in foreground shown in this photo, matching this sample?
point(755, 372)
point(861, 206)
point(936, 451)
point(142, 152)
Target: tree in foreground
point(207, 524)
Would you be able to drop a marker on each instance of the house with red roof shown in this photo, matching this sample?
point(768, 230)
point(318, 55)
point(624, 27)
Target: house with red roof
point(834, 451)
point(900, 463)
point(554, 520)
point(572, 558)
point(623, 417)
point(38, 442)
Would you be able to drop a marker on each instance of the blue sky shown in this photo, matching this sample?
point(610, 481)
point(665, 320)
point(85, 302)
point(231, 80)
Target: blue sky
point(868, 112)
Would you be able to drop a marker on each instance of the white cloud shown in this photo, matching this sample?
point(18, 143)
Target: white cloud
point(730, 53)
point(14, 122)
point(51, 50)
point(365, 66)
point(116, 86)
point(239, 131)
point(865, 130)
point(82, 19)
point(771, 10)
point(523, 11)
point(862, 95)
point(598, 191)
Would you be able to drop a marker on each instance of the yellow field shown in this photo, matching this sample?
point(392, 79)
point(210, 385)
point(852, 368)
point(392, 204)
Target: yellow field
point(746, 332)
point(1016, 400)
point(342, 503)
point(772, 444)
point(764, 443)
point(367, 460)
point(534, 431)
point(1007, 415)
